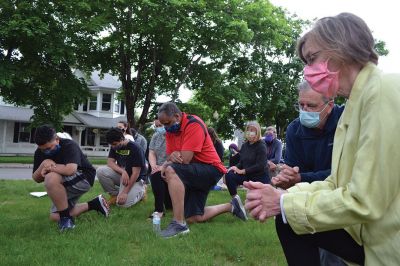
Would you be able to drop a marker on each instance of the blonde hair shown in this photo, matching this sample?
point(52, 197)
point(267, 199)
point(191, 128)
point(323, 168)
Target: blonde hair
point(345, 36)
point(256, 125)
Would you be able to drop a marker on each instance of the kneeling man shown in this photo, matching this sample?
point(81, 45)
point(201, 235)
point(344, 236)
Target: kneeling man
point(67, 175)
point(123, 177)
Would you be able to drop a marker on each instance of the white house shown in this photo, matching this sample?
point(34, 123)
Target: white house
point(87, 124)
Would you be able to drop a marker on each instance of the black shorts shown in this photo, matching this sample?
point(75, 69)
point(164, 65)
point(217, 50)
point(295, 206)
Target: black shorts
point(198, 179)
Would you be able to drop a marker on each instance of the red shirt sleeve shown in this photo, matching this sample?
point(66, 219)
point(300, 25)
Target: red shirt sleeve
point(193, 138)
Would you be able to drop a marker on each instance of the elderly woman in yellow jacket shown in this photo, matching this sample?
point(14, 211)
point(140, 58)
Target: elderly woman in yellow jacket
point(355, 212)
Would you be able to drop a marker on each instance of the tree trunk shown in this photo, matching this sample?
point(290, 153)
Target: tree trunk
point(157, 66)
point(130, 94)
point(183, 77)
point(127, 86)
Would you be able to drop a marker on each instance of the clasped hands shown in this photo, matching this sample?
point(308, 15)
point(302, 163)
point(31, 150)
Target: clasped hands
point(176, 157)
point(47, 166)
point(262, 200)
point(287, 177)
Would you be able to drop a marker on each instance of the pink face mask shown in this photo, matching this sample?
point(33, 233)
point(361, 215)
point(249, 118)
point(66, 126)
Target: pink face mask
point(321, 79)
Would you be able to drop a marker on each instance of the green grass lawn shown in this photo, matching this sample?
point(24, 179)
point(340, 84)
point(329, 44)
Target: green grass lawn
point(29, 159)
point(27, 237)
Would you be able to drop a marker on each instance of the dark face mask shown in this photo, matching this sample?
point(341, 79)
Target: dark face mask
point(53, 151)
point(121, 145)
point(173, 129)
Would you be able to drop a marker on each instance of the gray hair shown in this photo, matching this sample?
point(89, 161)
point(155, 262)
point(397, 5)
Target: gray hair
point(345, 36)
point(270, 128)
point(304, 86)
point(169, 108)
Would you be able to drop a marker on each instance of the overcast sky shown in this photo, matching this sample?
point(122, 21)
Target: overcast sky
point(381, 16)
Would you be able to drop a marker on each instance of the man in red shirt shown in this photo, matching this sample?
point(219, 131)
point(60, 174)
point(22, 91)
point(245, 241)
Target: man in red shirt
point(191, 170)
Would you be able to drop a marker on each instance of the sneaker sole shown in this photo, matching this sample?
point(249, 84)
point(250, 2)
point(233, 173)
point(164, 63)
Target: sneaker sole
point(104, 205)
point(178, 234)
point(66, 229)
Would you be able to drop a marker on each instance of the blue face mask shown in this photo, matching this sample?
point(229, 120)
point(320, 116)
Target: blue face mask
point(310, 119)
point(53, 151)
point(269, 138)
point(174, 128)
point(160, 130)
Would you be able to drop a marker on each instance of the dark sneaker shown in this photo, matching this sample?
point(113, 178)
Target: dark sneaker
point(238, 209)
point(66, 223)
point(103, 207)
point(174, 229)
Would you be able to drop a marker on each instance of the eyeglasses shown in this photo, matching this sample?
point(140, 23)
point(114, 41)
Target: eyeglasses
point(310, 58)
point(310, 107)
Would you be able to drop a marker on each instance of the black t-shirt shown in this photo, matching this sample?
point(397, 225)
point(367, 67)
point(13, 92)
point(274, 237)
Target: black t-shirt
point(69, 153)
point(130, 156)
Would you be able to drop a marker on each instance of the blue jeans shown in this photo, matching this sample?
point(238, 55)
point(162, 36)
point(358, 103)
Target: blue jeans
point(233, 180)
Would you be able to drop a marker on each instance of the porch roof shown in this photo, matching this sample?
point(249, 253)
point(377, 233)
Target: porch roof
point(98, 122)
point(23, 114)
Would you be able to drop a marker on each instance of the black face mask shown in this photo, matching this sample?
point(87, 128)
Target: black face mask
point(118, 147)
point(52, 152)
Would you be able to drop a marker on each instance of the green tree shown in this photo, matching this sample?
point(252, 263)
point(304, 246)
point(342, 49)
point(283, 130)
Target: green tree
point(260, 82)
point(35, 60)
point(157, 46)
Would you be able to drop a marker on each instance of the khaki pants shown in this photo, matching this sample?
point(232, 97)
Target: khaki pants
point(111, 183)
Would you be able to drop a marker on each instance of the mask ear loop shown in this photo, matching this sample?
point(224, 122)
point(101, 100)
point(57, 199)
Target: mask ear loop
point(323, 110)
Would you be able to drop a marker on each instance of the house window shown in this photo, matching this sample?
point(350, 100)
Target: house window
point(103, 141)
point(116, 106)
point(90, 137)
point(23, 133)
point(122, 111)
point(83, 138)
point(106, 102)
point(84, 106)
point(93, 102)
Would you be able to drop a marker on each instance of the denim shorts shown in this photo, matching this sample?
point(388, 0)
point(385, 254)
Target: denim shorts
point(198, 179)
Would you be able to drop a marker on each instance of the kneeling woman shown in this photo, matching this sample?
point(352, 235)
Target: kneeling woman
point(253, 161)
